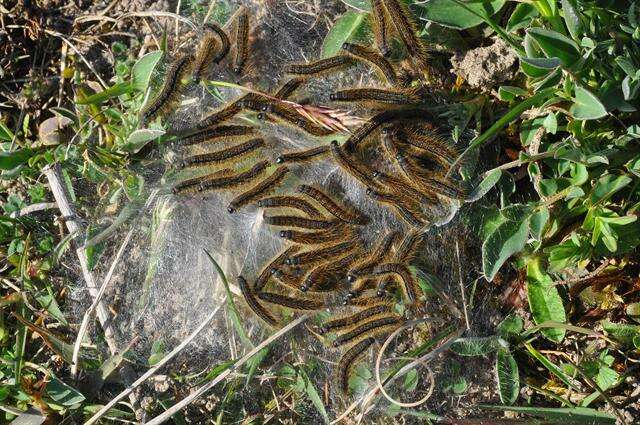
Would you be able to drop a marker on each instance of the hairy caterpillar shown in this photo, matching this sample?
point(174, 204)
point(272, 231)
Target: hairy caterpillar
point(409, 213)
point(171, 89)
point(406, 29)
point(373, 57)
point(409, 283)
point(259, 190)
point(435, 146)
point(220, 115)
point(358, 171)
point(288, 201)
point(320, 255)
point(358, 287)
point(399, 97)
point(194, 183)
point(302, 156)
point(406, 252)
point(289, 278)
point(347, 360)
point(267, 271)
point(223, 155)
point(204, 56)
point(354, 318)
point(320, 66)
point(370, 326)
point(234, 179)
point(380, 27)
point(404, 188)
point(327, 276)
point(300, 222)
point(215, 133)
point(225, 45)
point(288, 88)
point(315, 238)
point(242, 42)
point(437, 185)
point(381, 250)
point(253, 303)
point(293, 303)
point(348, 214)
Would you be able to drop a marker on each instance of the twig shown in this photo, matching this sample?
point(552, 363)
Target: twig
point(462, 291)
point(152, 371)
point(588, 276)
point(205, 388)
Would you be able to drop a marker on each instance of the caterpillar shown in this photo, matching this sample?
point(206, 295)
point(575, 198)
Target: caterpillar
point(381, 250)
point(381, 118)
point(403, 188)
point(194, 183)
point(225, 154)
point(204, 56)
point(290, 278)
point(408, 212)
point(293, 303)
point(215, 133)
point(320, 66)
point(380, 27)
point(347, 360)
point(409, 283)
point(320, 255)
point(268, 270)
point(354, 318)
point(373, 57)
point(220, 115)
point(253, 303)
point(408, 248)
point(242, 42)
point(370, 326)
point(171, 88)
point(225, 45)
point(290, 202)
point(430, 183)
point(234, 179)
point(434, 146)
point(399, 97)
point(348, 214)
point(358, 287)
point(358, 171)
point(299, 222)
point(314, 238)
point(303, 156)
point(406, 29)
point(288, 88)
point(259, 190)
point(318, 278)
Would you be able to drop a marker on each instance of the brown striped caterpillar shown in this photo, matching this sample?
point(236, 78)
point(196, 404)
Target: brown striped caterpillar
point(366, 94)
point(320, 255)
point(254, 304)
point(347, 360)
point(373, 57)
point(407, 30)
point(315, 238)
point(171, 89)
point(348, 214)
point(300, 222)
point(293, 303)
point(401, 269)
point(225, 45)
point(242, 42)
point(261, 189)
point(379, 253)
point(294, 202)
point(234, 179)
point(268, 270)
point(204, 56)
point(303, 156)
point(355, 318)
point(288, 88)
point(328, 276)
point(380, 27)
point(320, 66)
point(369, 327)
point(231, 153)
point(216, 133)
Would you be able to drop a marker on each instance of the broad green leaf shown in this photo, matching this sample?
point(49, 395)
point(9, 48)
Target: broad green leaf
point(607, 186)
point(543, 64)
point(62, 393)
point(5, 134)
point(460, 14)
point(521, 17)
point(49, 303)
point(10, 160)
point(586, 106)
point(475, 346)
point(511, 325)
point(114, 91)
point(143, 68)
point(544, 300)
point(139, 139)
point(556, 45)
point(507, 239)
point(573, 415)
point(509, 93)
point(344, 29)
point(572, 18)
point(538, 221)
point(508, 377)
point(486, 184)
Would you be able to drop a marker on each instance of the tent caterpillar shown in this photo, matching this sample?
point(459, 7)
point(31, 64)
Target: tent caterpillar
point(373, 57)
point(355, 318)
point(267, 270)
point(348, 214)
point(290, 202)
point(234, 179)
point(215, 133)
point(347, 360)
point(223, 155)
point(293, 303)
point(320, 66)
point(261, 189)
point(300, 222)
point(171, 88)
point(253, 303)
point(368, 327)
point(303, 156)
point(242, 42)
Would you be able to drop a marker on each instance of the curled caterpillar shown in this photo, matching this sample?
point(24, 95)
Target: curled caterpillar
point(225, 45)
point(409, 283)
point(261, 189)
point(254, 304)
point(347, 360)
point(328, 276)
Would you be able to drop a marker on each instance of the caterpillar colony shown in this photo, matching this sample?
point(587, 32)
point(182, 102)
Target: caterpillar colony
point(324, 254)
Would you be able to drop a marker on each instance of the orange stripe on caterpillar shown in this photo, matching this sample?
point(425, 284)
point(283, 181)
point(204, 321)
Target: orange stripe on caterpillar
point(260, 190)
point(234, 179)
point(407, 30)
point(290, 202)
point(225, 45)
point(328, 276)
point(371, 326)
point(379, 253)
point(315, 238)
point(242, 42)
point(269, 269)
point(320, 255)
point(355, 318)
point(366, 94)
point(401, 269)
point(348, 214)
point(293, 303)
point(171, 88)
point(347, 360)
point(380, 27)
point(223, 155)
point(300, 222)
point(303, 156)
point(288, 88)
point(254, 304)
point(320, 66)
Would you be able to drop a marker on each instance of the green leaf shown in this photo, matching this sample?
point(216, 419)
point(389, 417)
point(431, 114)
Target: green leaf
point(508, 377)
point(458, 14)
point(49, 303)
point(607, 186)
point(543, 64)
point(139, 139)
point(507, 239)
point(359, 4)
point(509, 93)
point(10, 160)
point(312, 393)
point(5, 134)
point(586, 106)
point(544, 300)
point(572, 18)
point(62, 393)
point(411, 380)
point(621, 332)
point(556, 45)
point(143, 68)
point(511, 325)
point(114, 91)
point(490, 180)
point(552, 367)
point(571, 415)
point(538, 221)
point(344, 29)
point(521, 17)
